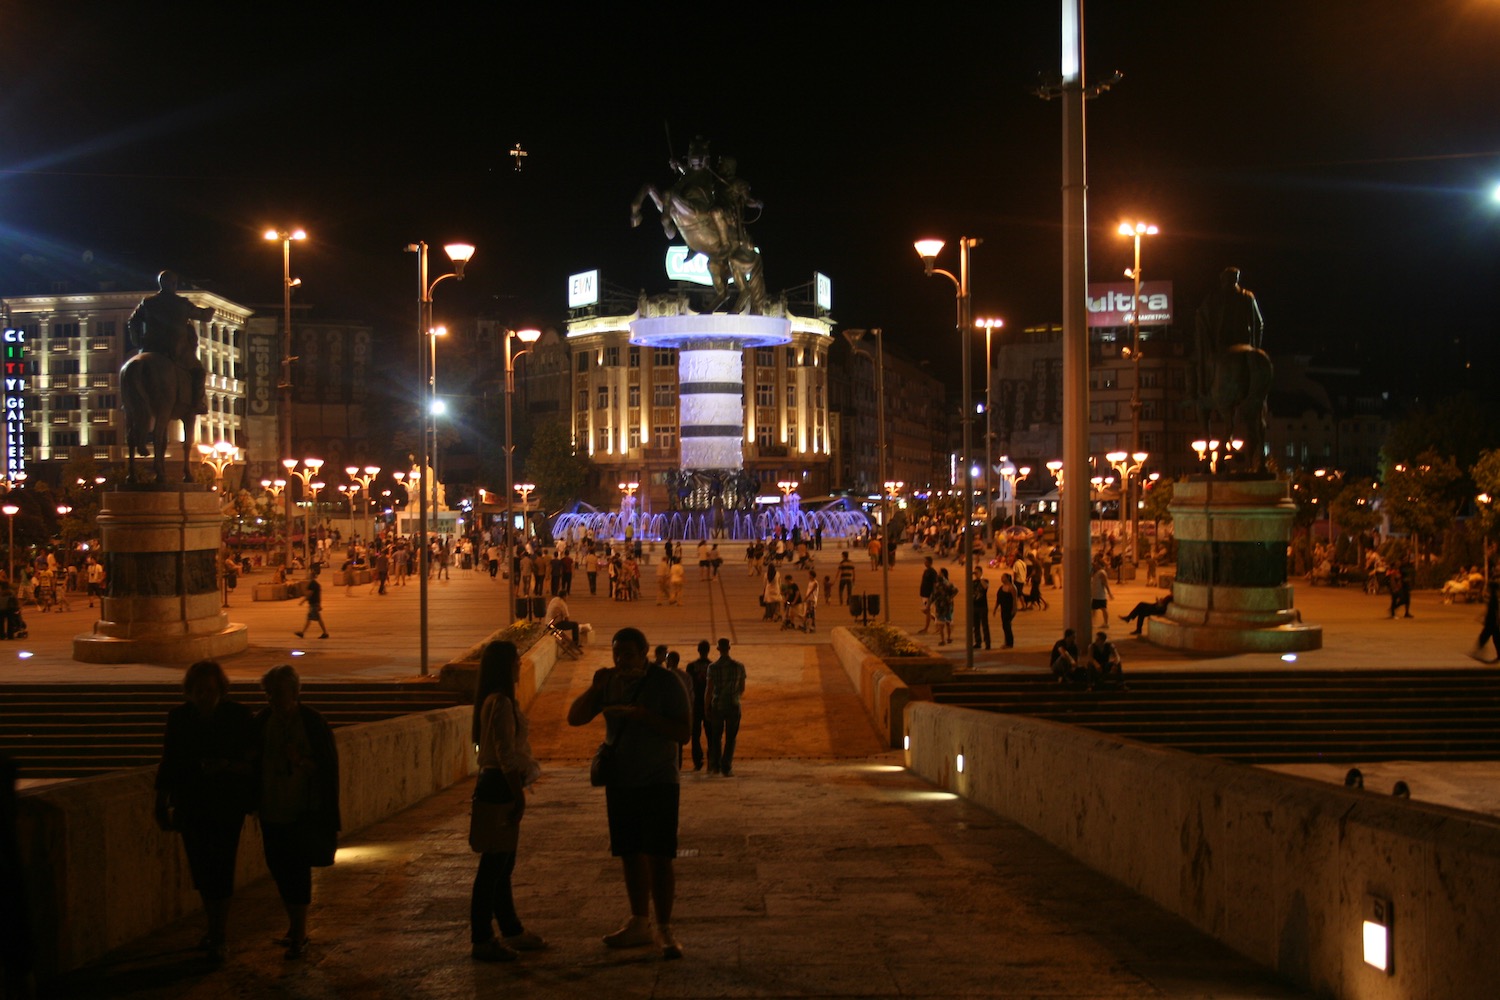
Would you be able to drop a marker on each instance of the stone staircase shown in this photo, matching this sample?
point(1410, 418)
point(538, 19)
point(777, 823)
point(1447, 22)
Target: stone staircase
point(1269, 717)
point(77, 730)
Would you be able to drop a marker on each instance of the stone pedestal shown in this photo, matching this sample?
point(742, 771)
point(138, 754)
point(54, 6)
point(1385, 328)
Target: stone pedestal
point(160, 548)
point(1231, 593)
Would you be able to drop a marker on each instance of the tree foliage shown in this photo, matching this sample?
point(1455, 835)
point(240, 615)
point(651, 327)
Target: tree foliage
point(1461, 426)
point(1423, 497)
point(558, 471)
point(1155, 500)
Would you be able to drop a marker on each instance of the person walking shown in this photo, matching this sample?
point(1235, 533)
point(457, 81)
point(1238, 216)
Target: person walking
point(697, 672)
point(507, 768)
point(204, 789)
point(1400, 584)
point(924, 591)
point(721, 698)
point(846, 579)
point(941, 606)
point(1491, 630)
point(646, 719)
point(298, 769)
point(1099, 592)
point(314, 601)
point(591, 570)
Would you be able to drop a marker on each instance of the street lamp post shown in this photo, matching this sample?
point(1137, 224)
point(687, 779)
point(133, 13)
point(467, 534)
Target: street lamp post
point(928, 251)
point(1135, 231)
point(892, 492)
point(1010, 476)
point(856, 343)
point(527, 337)
point(364, 480)
point(459, 254)
point(990, 326)
point(218, 457)
point(285, 415)
point(305, 475)
point(525, 490)
point(1129, 466)
point(11, 510)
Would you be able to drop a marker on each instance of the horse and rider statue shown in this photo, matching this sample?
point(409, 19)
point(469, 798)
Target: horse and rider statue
point(706, 207)
point(1232, 373)
point(164, 382)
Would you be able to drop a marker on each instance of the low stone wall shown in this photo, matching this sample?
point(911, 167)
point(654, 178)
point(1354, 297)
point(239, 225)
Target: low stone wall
point(99, 873)
point(1278, 868)
point(460, 675)
point(883, 693)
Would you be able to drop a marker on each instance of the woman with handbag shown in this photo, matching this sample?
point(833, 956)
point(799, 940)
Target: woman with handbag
point(299, 797)
point(204, 789)
point(506, 768)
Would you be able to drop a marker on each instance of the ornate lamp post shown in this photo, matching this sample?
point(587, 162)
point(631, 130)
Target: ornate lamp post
point(284, 416)
point(305, 475)
point(928, 251)
point(1128, 466)
point(527, 337)
point(1010, 475)
point(893, 488)
point(364, 480)
point(460, 254)
point(218, 457)
point(1136, 231)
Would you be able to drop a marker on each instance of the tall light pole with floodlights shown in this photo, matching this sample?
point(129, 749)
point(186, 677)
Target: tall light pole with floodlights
point(928, 251)
point(305, 475)
point(527, 337)
point(460, 254)
point(990, 325)
point(1136, 231)
point(284, 417)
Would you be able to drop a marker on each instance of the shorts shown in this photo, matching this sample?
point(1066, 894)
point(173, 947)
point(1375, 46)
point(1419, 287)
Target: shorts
point(643, 820)
point(1099, 605)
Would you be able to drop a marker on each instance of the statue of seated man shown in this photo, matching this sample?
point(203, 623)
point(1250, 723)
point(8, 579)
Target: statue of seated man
point(163, 324)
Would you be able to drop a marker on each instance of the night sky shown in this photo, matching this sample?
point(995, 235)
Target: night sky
point(1342, 152)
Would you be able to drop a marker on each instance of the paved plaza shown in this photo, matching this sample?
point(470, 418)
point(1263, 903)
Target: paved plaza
point(821, 869)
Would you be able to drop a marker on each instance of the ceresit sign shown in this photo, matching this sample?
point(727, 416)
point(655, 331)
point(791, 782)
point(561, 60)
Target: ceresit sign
point(1113, 304)
point(583, 289)
point(687, 265)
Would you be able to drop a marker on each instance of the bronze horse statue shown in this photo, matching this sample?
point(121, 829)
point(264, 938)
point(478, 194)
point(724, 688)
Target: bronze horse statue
point(707, 210)
point(157, 391)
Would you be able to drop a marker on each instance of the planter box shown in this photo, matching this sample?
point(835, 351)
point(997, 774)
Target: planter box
point(920, 669)
point(272, 592)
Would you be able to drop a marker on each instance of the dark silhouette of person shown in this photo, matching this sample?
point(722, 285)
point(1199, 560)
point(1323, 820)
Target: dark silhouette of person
point(163, 324)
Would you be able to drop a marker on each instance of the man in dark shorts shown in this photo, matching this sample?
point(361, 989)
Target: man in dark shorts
point(647, 719)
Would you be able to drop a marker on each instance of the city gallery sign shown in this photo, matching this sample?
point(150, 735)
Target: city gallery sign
point(1111, 304)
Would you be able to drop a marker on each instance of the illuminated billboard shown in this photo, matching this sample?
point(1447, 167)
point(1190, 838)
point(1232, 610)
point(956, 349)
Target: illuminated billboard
point(1111, 304)
point(583, 289)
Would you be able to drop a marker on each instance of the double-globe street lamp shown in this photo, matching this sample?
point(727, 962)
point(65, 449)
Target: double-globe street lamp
point(284, 416)
point(363, 479)
point(460, 254)
point(928, 251)
point(527, 337)
point(218, 456)
point(305, 475)
point(1010, 475)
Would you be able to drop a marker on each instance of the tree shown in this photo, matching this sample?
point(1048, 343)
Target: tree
point(1461, 426)
point(1419, 497)
point(1354, 510)
point(555, 466)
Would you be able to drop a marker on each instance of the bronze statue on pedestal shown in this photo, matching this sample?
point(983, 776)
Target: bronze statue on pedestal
point(1233, 374)
point(164, 380)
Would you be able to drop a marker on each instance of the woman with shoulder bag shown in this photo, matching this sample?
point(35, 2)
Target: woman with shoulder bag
point(506, 768)
point(299, 797)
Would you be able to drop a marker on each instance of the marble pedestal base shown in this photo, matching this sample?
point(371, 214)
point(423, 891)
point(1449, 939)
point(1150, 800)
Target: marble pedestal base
point(161, 605)
point(1231, 593)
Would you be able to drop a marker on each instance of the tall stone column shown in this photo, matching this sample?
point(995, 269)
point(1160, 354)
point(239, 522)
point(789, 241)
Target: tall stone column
point(160, 549)
point(710, 383)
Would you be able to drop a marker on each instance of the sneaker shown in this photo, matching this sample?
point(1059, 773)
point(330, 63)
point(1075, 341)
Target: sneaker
point(492, 951)
point(323, 636)
point(297, 634)
point(524, 941)
point(670, 949)
point(635, 934)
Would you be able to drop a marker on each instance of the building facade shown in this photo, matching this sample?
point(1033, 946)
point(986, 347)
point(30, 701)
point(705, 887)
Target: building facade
point(74, 345)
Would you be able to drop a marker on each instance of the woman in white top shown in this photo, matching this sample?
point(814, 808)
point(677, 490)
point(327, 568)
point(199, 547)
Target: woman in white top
point(507, 768)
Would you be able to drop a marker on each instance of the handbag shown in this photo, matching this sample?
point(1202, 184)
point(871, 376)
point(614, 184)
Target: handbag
point(601, 768)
